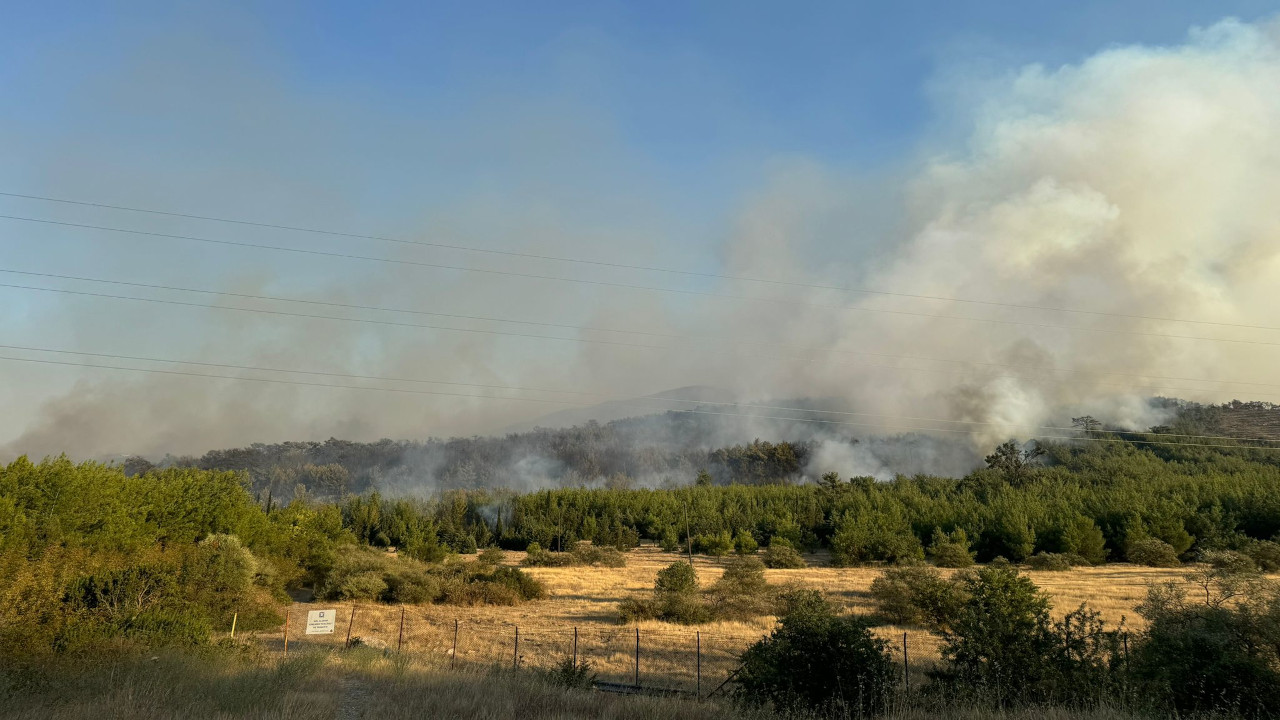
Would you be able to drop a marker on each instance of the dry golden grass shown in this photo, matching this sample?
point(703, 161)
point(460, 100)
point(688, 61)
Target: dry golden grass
point(586, 598)
point(364, 685)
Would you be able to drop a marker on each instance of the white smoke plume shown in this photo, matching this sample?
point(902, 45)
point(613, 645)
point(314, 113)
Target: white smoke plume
point(1142, 181)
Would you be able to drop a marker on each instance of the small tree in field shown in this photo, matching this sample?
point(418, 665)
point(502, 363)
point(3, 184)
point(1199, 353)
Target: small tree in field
point(817, 660)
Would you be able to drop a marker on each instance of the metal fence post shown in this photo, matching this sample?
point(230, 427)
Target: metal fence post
point(234, 617)
point(575, 647)
point(637, 657)
point(515, 654)
point(400, 642)
point(453, 659)
point(698, 692)
point(287, 613)
point(350, 623)
point(906, 671)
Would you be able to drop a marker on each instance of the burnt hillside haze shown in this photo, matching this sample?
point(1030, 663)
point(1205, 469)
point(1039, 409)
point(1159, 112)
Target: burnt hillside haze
point(664, 450)
point(651, 452)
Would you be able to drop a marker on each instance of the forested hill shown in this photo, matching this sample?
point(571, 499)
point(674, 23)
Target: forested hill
point(650, 451)
point(1234, 419)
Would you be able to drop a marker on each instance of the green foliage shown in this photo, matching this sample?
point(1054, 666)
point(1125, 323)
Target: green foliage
point(917, 595)
point(491, 556)
point(678, 577)
point(1221, 655)
point(884, 535)
point(741, 593)
point(714, 544)
point(781, 556)
point(1045, 561)
point(1152, 552)
point(745, 544)
point(950, 550)
point(819, 661)
point(583, 553)
point(1002, 646)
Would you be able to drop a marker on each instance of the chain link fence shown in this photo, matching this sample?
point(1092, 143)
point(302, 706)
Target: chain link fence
point(676, 661)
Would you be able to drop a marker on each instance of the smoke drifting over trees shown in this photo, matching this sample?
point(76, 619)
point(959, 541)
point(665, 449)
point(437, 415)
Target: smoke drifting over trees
point(1139, 183)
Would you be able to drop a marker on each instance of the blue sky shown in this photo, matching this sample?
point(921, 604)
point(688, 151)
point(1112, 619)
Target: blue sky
point(644, 132)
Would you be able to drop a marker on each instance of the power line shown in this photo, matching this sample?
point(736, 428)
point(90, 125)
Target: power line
point(674, 336)
point(627, 266)
point(844, 423)
point(510, 334)
point(627, 402)
point(650, 288)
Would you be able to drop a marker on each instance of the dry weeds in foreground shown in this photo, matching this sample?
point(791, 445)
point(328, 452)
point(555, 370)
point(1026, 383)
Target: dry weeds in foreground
point(362, 685)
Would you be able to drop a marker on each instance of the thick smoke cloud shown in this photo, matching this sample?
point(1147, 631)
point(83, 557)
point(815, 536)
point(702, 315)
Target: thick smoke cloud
point(1141, 181)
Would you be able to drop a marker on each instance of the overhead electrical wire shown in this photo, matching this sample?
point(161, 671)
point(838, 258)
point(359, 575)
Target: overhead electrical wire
point(604, 283)
point(615, 400)
point(628, 266)
point(447, 328)
point(589, 328)
point(564, 402)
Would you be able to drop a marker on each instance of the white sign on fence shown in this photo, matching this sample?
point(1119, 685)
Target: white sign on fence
point(320, 622)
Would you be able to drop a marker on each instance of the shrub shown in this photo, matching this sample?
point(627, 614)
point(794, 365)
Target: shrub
point(1003, 647)
point(1266, 554)
point(411, 586)
point(1212, 657)
point(535, 556)
point(1083, 537)
point(491, 556)
point(585, 553)
point(745, 543)
point(1152, 552)
point(878, 536)
point(569, 675)
point(1047, 561)
point(781, 556)
point(917, 595)
point(717, 544)
point(742, 592)
point(678, 577)
point(818, 661)
point(1229, 561)
point(950, 550)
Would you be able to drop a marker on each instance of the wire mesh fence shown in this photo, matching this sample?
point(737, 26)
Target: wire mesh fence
point(676, 660)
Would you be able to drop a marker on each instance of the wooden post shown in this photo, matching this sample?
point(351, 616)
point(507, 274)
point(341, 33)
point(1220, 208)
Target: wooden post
point(234, 617)
point(286, 631)
point(906, 671)
point(351, 622)
point(637, 657)
point(575, 647)
point(515, 654)
point(698, 693)
point(453, 660)
point(400, 642)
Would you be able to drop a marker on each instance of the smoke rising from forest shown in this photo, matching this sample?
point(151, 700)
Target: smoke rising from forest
point(1140, 181)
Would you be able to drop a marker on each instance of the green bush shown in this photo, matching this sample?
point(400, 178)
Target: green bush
point(950, 550)
point(1047, 561)
point(745, 543)
point(1003, 647)
point(1265, 553)
point(917, 595)
point(742, 592)
point(1213, 656)
point(781, 556)
point(1152, 552)
point(491, 556)
point(819, 661)
point(678, 577)
point(882, 536)
point(715, 544)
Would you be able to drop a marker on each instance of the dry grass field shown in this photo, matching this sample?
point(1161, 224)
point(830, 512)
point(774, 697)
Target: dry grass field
point(586, 598)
